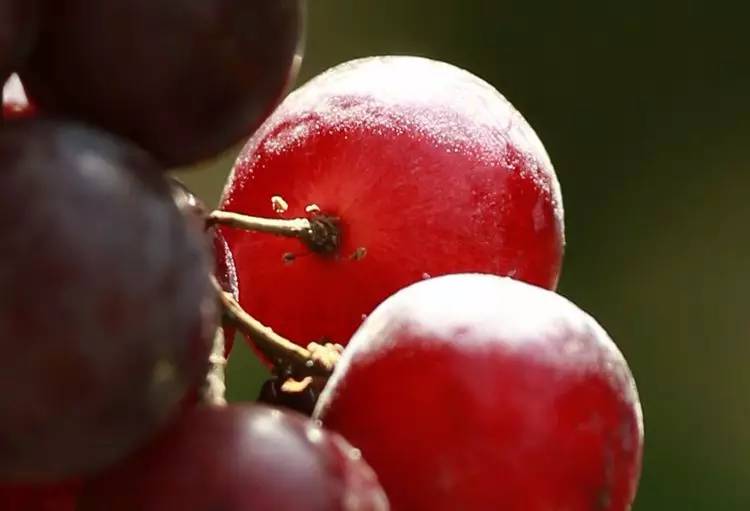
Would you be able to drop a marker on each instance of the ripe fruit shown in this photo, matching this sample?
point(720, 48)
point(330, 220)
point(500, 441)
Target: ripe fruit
point(428, 169)
point(483, 393)
point(185, 80)
point(240, 458)
point(53, 497)
point(106, 311)
point(18, 27)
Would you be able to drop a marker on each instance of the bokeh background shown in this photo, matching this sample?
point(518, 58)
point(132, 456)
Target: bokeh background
point(644, 107)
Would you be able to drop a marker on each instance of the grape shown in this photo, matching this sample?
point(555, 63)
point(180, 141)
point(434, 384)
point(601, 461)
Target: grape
point(429, 171)
point(106, 314)
point(185, 79)
point(483, 393)
point(51, 497)
point(240, 458)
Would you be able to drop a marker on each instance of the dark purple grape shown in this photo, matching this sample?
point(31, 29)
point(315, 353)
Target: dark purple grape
point(240, 458)
point(185, 79)
point(106, 311)
point(18, 29)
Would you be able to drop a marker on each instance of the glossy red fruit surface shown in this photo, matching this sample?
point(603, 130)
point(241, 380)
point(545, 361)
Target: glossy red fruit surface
point(430, 171)
point(240, 458)
point(53, 497)
point(183, 79)
point(479, 392)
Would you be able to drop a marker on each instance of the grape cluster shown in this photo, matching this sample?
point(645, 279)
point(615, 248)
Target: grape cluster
point(389, 243)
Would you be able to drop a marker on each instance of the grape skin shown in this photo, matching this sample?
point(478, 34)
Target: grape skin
point(240, 458)
point(429, 171)
point(60, 496)
point(484, 393)
point(106, 311)
point(183, 79)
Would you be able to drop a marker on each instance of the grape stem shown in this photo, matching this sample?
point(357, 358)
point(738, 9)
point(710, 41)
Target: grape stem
point(318, 361)
point(214, 389)
point(320, 233)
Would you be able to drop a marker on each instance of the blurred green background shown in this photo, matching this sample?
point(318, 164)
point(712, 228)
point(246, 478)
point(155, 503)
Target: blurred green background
point(644, 108)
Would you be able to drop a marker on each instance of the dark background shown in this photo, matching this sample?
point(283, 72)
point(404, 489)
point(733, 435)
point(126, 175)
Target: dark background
point(644, 108)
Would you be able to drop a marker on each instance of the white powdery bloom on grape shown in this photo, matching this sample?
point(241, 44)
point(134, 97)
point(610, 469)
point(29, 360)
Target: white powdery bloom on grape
point(448, 105)
point(496, 313)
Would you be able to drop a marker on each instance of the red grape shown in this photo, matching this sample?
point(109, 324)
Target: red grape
point(106, 310)
point(52, 497)
point(428, 169)
point(480, 392)
point(184, 79)
point(236, 459)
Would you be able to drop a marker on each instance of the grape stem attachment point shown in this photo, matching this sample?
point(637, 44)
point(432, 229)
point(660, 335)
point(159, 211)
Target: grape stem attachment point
point(320, 233)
